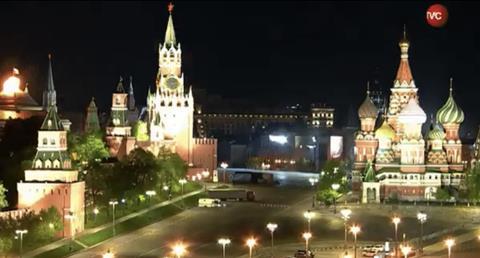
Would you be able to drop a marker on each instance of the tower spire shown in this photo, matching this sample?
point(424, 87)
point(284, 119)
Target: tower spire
point(368, 88)
point(131, 96)
point(451, 85)
point(120, 88)
point(49, 95)
point(170, 33)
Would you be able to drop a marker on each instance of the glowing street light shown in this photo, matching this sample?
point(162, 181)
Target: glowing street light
point(108, 254)
point(179, 250)
point(150, 193)
point(224, 242)
point(355, 229)
point(309, 216)
point(182, 181)
point(449, 243)
point(113, 203)
point(224, 165)
point(422, 218)
point(346, 255)
point(335, 188)
point(21, 232)
point(396, 220)
point(406, 249)
point(251, 242)
point(272, 227)
point(345, 212)
point(306, 236)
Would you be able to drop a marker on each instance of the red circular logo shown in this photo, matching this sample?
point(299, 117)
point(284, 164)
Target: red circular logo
point(437, 15)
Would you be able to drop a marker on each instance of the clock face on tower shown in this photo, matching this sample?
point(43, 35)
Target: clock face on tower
point(172, 83)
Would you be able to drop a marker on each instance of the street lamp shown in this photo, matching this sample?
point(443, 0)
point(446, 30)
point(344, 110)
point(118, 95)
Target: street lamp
point(224, 242)
point(179, 250)
point(113, 203)
point(355, 229)
point(308, 215)
point(449, 243)
point(272, 227)
point(406, 249)
point(224, 165)
point(108, 254)
point(346, 216)
point(422, 218)
point(95, 213)
point(346, 255)
point(396, 220)
point(21, 232)
point(251, 242)
point(182, 182)
point(306, 236)
point(335, 187)
point(150, 193)
point(70, 216)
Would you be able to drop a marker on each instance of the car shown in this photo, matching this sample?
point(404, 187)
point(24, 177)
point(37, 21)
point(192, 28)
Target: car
point(303, 254)
point(210, 203)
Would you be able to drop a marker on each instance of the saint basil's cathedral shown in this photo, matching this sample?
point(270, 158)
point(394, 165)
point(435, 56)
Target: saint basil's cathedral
point(395, 161)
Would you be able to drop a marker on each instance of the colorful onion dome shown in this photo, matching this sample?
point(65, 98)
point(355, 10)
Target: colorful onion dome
point(385, 131)
point(367, 109)
point(450, 113)
point(412, 113)
point(436, 133)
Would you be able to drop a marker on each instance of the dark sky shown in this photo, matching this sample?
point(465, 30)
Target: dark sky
point(281, 52)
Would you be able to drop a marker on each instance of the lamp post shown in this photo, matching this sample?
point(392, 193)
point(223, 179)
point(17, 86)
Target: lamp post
point(224, 242)
point(346, 216)
point(113, 203)
point(306, 236)
point(179, 250)
point(449, 243)
point(70, 216)
point(396, 220)
point(95, 213)
point(21, 232)
point(308, 215)
point(272, 227)
point(355, 229)
point(182, 182)
point(422, 218)
point(224, 165)
point(150, 193)
point(335, 187)
point(406, 249)
point(108, 254)
point(251, 242)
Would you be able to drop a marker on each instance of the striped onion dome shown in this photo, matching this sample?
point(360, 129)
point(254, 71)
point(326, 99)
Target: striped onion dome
point(367, 109)
point(436, 133)
point(385, 131)
point(450, 113)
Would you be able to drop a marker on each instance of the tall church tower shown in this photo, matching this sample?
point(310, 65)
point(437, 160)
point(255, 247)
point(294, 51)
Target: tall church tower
point(51, 181)
point(49, 95)
point(170, 108)
point(403, 89)
point(92, 123)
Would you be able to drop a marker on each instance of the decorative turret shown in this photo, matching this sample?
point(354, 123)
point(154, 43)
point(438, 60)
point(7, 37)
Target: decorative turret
point(131, 96)
point(367, 113)
point(369, 173)
point(169, 75)
point(49, 95)
point(92, 123)
point(404, 76)
point(412, 144)
point(436, 154)
point(385, 134)
point(170, 39)
point(450, 116)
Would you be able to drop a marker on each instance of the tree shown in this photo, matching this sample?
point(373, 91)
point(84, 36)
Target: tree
point(327, 196)
point(3, 196)
point(442, 195)
point(333, 172)
point(473, 183)
point(87, 148)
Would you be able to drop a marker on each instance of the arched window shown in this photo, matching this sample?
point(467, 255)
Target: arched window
point(38, 164)
point(56, 164)
point(52, 141)
point(48, 164)
point(45, 141)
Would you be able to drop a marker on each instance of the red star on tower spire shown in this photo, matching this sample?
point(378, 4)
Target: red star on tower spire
point(170, 7)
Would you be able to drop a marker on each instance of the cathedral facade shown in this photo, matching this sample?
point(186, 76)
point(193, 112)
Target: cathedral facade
point(168, 122)
point(394, 160)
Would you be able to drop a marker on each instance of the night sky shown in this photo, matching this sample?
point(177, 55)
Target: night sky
point(273, 52)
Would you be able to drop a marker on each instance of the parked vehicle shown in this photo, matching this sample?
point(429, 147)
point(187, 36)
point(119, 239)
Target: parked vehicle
point(303, 254)
point(232, 194)
point(210, 202)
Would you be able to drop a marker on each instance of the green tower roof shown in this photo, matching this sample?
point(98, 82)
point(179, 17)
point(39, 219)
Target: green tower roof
point(450, 113)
